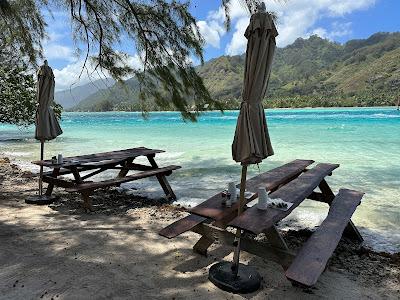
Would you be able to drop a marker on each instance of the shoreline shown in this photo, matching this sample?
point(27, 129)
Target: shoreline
point(235, 110)
point(58, 251)
point(33, 171)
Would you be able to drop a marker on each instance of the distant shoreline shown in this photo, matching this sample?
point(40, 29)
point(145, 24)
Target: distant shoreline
point(233, 110)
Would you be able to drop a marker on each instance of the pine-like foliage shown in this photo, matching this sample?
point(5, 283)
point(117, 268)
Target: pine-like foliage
point(162, 32)
point(17, 96)
point(18, 100)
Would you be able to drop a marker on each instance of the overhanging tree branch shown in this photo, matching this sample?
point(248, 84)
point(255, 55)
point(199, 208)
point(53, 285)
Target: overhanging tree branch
point(163, 32)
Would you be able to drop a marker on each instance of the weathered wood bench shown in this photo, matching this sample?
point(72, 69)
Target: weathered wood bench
point(313, 257)
point(87, 188)
point(294, 183)
point(91, 186)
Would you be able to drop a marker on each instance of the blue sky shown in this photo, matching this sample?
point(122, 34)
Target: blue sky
point(337, 20)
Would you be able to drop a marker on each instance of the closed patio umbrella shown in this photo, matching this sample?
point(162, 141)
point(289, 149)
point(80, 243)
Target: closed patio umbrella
point(47, 126)
point(251, 143)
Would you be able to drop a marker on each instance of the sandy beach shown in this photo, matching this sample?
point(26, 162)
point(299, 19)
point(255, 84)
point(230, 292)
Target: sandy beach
point(60, 252)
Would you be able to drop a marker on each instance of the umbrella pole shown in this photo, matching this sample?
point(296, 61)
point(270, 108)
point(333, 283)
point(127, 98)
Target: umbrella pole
point(232, 276)
point(41, 168)
point(236, 255)
point(41, 199)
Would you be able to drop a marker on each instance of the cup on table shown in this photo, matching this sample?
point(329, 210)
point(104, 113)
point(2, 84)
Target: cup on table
point(262, 199)
point(60, 159)
point(232, 192)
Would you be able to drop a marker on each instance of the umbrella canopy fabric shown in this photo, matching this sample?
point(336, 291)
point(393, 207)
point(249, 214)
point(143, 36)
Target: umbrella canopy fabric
point(47, 126)
point(251, 143)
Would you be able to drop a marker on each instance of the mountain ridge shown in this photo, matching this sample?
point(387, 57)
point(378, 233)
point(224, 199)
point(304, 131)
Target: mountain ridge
point(71, 97)
point(308, 73)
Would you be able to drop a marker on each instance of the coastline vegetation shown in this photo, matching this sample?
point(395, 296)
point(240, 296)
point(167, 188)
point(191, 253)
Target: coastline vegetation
point(311, 72)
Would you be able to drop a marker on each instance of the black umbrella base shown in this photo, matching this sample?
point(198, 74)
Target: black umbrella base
point(40, 199)
point(247, 280)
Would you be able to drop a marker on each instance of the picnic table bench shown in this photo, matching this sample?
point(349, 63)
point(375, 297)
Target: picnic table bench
point(293, 182)
point(121, 160)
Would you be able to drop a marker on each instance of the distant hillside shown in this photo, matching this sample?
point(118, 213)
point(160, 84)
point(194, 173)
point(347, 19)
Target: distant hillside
point(70, 98)
point(310, 72)
point(117, 97)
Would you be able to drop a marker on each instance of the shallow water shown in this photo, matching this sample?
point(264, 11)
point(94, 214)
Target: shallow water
point(365, 141)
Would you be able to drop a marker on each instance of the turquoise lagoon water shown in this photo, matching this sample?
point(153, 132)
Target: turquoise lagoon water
point(366, 143)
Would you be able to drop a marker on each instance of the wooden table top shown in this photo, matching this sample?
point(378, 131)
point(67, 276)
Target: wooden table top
point(256, 221)
point(213, 207)
point(287, 182)
point(97, 157)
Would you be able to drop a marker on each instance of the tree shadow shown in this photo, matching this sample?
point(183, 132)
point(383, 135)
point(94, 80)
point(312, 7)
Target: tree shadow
point(85, 263)
point(109, 202)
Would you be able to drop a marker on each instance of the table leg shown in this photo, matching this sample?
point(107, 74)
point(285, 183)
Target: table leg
point(124, 172)
point(273, 235)
point(50, 186)
point(266, 251)
point(275, 238)
point(87, 202)
point(203, 244)
point(351, 230)
point(76, 174)
point(162, 179)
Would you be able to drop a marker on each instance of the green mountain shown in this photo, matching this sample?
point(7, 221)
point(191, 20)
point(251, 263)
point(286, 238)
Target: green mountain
point(71, 97)
point(308, 73)
point(117, 97)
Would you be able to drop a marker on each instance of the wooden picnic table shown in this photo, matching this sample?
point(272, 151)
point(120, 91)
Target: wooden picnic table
point(86, 166)
point(293, 182)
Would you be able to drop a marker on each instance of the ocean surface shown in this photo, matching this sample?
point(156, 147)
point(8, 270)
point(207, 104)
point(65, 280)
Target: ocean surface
point(364, 141)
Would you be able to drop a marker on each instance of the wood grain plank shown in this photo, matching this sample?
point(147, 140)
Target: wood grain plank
point(312, 258)
point(213, 208)
point(111, 182)
point(183, 225)
point(58, 182)
point(96, 157)
point(256, 221)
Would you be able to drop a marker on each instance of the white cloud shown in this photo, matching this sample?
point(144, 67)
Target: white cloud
point(339, 8)
point(238, 43)
point(297, 18)
point(54, 48)
point(59, 33)
point(211, 32)
point(338, 30)
point(135, 61)
point(238, 10)
point(56, 51)
point(321, 32)
point(212, 29)
point(69, 75)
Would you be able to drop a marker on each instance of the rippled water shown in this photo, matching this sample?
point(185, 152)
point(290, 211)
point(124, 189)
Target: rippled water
point(366, 143)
